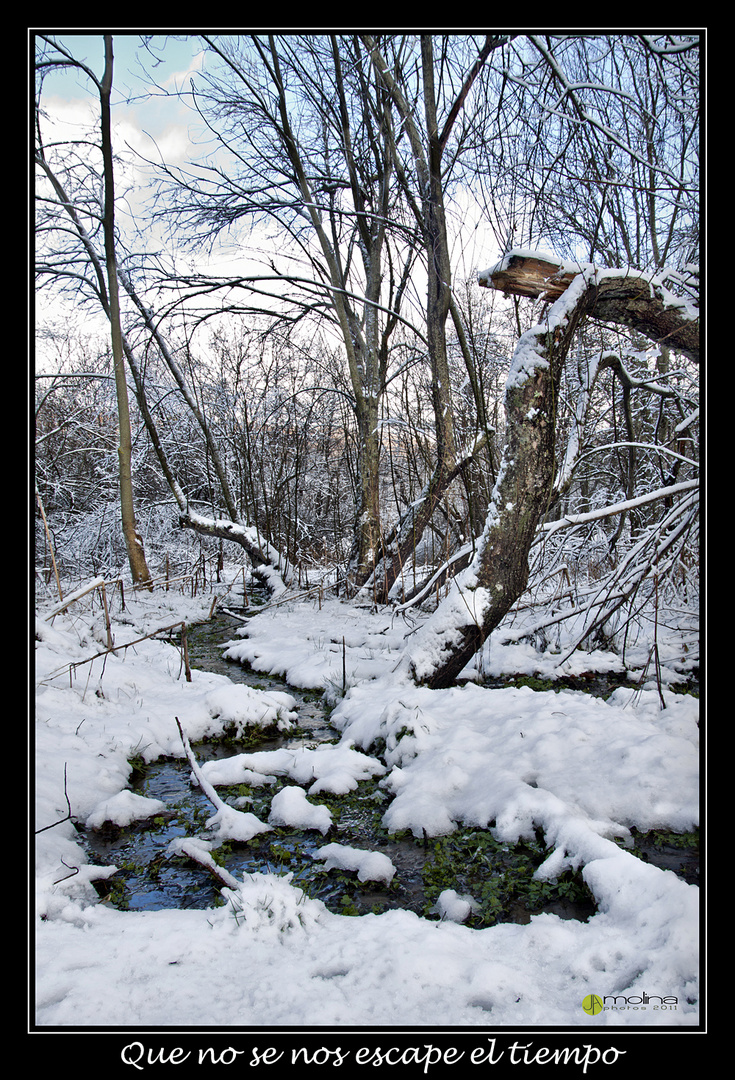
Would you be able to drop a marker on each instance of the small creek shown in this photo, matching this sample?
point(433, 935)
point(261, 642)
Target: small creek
point(470, 861)
point(149, 879)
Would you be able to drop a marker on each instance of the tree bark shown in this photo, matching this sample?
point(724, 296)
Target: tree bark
point(484, 593)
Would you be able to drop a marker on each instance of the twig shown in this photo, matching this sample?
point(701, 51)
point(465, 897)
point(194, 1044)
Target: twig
point(106, 652)
point(73, 598)
point(61, 820)
point(74, 872)
point(188, 848)
point(50, 543)
point(185, 651)
point(108, 627)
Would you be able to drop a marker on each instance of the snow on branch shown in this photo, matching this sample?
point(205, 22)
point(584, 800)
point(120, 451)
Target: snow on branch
point(618, 508)
point(646, 302)
point(232, 824)
point(529, 273)
point(268, 563)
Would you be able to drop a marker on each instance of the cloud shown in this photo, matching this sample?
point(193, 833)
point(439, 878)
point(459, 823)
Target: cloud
point(178, 81)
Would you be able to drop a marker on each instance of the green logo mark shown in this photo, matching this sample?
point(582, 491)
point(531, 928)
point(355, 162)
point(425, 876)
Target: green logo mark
point(592, 1004)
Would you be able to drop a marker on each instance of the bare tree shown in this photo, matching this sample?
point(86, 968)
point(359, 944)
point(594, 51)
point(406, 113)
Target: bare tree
point(524, 491)
point(423, 175)
point(306, 133)
point(108, 290)
point(593, 140)
point(73, 256)
point(344, 155)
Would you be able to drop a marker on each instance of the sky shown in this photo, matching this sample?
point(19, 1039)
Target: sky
point(144, 78)
point(149, 120)
point(166, 59)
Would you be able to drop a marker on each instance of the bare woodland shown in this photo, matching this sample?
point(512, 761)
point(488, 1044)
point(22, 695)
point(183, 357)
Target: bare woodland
point(361, 402)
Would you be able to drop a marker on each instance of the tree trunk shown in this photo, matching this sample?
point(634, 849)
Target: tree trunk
point(431, 220)
point(484, 593)
point(133, 542)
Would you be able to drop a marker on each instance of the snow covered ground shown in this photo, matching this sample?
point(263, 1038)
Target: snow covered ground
point(583, 769)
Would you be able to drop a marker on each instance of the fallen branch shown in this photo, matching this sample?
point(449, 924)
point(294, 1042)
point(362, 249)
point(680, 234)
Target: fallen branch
point(73, 597)
point(233, 824)
point(204, 784)
point(194, 850)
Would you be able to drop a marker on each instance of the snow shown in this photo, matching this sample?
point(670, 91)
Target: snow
point(450, 905)
point(325, 768)
point(583, 770)
point(123, 809)
point(528, 353)
point(522, 253)
point(241, 703)
point(291, 807)
point(370, 865)
point(586, 270)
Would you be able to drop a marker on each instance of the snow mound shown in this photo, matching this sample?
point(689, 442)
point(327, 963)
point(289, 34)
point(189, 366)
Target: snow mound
point(450, 905)
point(580, 769)
point(246, 706)
point(123, 809)
point(336, 769)
point(370, 865)
point(291, 807)
point(232, 824)
point(270, 907)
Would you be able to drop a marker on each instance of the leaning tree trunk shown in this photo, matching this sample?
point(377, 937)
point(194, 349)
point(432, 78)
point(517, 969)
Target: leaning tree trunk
point(484, 593)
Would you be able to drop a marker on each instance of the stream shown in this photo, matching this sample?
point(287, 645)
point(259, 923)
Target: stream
point(148, 879)
point(498, 877)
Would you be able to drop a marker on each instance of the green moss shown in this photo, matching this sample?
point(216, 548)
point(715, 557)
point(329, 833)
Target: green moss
point(534, 683)
point(499, 877)
point(684, 688)
point(138, 768)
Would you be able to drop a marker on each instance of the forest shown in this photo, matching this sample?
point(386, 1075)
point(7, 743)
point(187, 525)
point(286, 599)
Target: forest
point(404, 324)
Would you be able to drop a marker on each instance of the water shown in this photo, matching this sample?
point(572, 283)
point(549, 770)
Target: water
point(147, 878)
point(468, 860)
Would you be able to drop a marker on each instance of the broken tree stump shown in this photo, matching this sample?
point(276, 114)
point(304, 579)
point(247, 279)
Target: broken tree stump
point(518, 274)
point(641, 301)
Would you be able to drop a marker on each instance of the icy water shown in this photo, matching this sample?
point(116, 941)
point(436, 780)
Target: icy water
point(470, 860)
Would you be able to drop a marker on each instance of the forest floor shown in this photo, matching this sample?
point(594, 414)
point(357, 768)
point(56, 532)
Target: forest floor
point(582, 775)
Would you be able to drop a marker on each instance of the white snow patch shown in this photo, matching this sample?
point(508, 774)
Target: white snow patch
point(450, 905)
point(370, 865)
point(123, 809)
point(291, 807)
point(582, 770)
